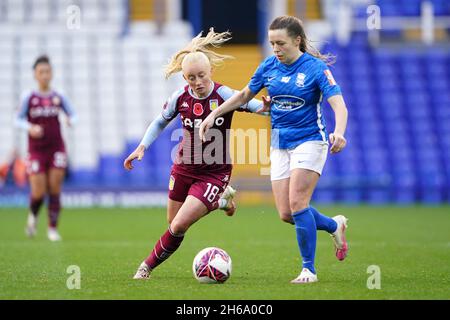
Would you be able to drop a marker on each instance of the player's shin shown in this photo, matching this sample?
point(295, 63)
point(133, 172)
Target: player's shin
point(305, 227)
point(54, 208)
point(35, 205)
point(164, 247)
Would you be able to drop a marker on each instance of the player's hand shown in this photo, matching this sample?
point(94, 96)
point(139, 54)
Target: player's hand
point(205, 126)
point(338, 142)
point(136, 154)
point(266, 105)
point(36, 131)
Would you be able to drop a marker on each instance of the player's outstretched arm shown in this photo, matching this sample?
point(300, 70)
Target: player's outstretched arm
point(338, 142)
point(238, 99)
point(153, 131)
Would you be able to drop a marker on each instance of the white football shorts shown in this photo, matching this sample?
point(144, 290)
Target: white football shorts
point(309, 155)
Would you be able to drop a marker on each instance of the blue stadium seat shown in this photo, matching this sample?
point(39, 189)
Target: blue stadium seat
point(400, 147)
point(111, 170)
point(403, 188)
point(83, 177)
point(410, 7)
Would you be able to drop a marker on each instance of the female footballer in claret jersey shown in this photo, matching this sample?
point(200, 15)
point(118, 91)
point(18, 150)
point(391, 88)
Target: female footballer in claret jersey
point(47, 158)
point(298, 79)
point(198, 183)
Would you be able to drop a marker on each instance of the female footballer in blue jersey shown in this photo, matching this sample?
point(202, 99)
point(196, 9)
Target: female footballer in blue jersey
point(297, 79)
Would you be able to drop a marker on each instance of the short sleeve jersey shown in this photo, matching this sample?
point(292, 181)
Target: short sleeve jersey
point(44, 110)
point(297, 91)
point(195, 157)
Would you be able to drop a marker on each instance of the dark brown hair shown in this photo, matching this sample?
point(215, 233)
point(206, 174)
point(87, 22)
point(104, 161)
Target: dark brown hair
point(41, 59)
point(294, 28)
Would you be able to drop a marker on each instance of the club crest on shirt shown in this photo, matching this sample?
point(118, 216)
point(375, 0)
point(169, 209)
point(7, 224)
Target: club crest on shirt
point(300, 82)
point(213, 104)
point(56, 100)
point(35, 101)
point(171, 183)
point(198, 109)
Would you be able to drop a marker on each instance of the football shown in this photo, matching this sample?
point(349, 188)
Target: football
point(212, 265)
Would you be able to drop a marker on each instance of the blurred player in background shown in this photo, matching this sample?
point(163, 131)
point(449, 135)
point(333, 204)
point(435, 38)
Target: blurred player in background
point(297, 79)
point(197, 185)
point(47, 158)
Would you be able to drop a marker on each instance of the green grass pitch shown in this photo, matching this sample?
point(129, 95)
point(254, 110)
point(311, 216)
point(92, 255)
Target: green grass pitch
point(410, 245)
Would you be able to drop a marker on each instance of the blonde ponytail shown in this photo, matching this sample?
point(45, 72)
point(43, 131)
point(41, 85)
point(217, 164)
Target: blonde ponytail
point(200, 44)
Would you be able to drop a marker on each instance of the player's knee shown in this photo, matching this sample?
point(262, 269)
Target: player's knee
point(298, 204)
point(286, 217)
point(38, 193)
point(179, 227)
point(54, 188)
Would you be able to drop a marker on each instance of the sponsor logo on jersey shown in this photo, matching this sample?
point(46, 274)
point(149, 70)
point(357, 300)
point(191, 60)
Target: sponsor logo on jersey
point(285, 79)
point(198, 109)
point(330, 77)
point(213, 104)
point(287, 103)
point(171, 183)
point(300, 82)
point(44, 112)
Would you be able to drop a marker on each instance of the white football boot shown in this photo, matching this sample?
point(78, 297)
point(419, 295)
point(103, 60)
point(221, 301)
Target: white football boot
point(143, 272)
point(53, 235)
point(340, 243)
point(228, 195)
point(306, 276)
point(31, 228)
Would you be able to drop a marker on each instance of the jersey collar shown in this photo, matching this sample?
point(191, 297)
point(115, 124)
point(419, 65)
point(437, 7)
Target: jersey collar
point(193, 95)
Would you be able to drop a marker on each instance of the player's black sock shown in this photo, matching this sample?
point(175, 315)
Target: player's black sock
point(35, 205)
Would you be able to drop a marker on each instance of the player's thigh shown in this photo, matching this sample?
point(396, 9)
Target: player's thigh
point(191, 211)
point(306, 164)
point(208, 190)
point(280, 189)
point(179, 186)
point(301, 188)
point(38, 185)
point(55, 179)
point(36, 165)
point(279, 164)
point(172, 209)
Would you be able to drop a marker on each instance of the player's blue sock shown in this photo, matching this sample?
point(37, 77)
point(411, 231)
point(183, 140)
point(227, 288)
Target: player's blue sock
point(305, 227)
point(323, 222)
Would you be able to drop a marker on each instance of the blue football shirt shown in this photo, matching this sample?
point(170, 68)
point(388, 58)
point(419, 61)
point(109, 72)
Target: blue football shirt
point(297, 91)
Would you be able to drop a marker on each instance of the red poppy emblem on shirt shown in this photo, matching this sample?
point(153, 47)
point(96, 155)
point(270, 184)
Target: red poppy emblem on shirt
point(198, 109)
